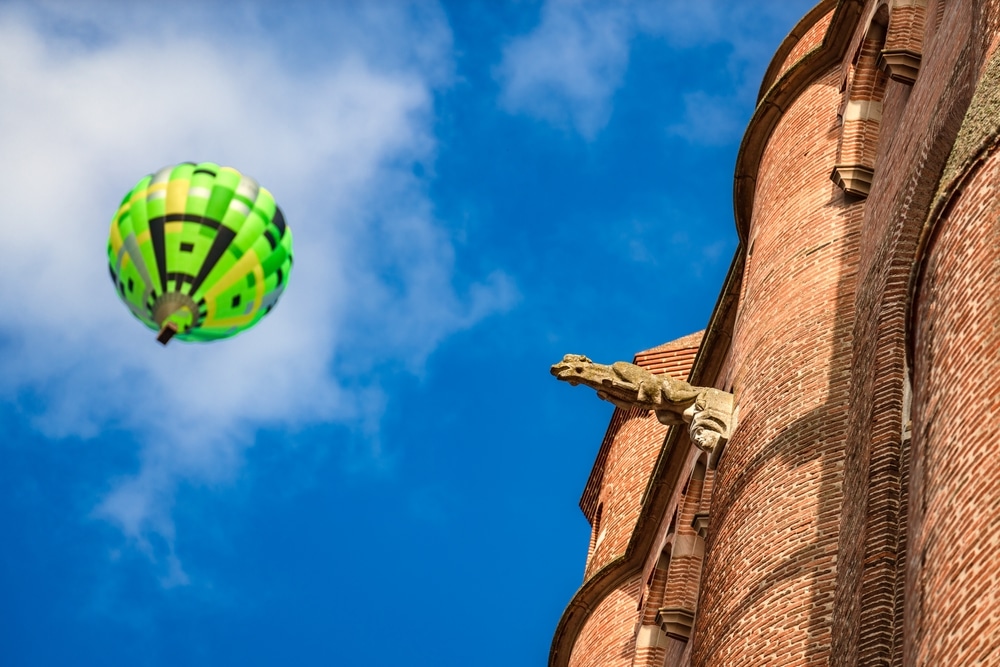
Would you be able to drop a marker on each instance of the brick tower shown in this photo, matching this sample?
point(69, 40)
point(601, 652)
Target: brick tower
point(852, 514)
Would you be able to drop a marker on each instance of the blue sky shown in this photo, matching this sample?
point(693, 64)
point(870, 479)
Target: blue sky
point(382, 472)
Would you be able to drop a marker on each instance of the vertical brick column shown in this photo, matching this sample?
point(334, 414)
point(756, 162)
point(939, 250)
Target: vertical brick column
point(902, 53)
point(651, 646)
point(770, 563)
point(862, 115)
point(953, 587)
point(680, 600)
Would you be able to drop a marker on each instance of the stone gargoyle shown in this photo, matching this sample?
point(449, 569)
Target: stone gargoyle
point(707, 411)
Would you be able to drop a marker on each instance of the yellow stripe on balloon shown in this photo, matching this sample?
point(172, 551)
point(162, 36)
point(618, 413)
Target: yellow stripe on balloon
point(177, 192)
point(248, 263)
point(238, 271)
point(116, 240)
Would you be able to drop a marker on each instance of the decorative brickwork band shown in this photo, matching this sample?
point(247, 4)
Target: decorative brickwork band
point(708, 411)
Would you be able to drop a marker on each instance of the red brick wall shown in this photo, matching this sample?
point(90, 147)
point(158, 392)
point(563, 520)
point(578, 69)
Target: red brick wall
point(769, 572)
point(918, 128)
point(608, 639)
point(906, 28)
point(859, 136)
point(956, 405)
point(630, 449)
point(617, 483)
point(828, 530)
point(809, 41)
point(626, 472)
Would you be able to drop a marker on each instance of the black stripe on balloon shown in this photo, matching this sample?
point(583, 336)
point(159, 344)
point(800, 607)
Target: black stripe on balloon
point(188, 217)
point(210, 172)
point(280, 278)
point(219, 245)
point(270, 238)
point(159, 249)
point(180, 277)
point(111, 270)
point(279, 222)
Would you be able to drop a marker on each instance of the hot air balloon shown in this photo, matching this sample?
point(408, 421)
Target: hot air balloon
point(199, 252)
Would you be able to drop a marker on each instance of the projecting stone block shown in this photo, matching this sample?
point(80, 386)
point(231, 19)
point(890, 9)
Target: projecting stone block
point(676, 622)
point(853, 179)
point(900, 64)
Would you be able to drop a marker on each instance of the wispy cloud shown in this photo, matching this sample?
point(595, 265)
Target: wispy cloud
point(567, 69)
point(95, 99)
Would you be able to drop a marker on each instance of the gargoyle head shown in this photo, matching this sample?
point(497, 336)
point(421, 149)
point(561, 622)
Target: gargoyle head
point(571, 368)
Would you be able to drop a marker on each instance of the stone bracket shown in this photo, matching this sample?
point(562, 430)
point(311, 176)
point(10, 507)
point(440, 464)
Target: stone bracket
point(854, 179)
point(700, 524)
point(676, 622)
point(900, 64)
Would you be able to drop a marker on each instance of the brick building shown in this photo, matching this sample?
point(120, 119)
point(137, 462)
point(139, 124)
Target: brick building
point(853, 517)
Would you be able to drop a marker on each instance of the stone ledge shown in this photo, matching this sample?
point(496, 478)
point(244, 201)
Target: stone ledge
point(900, 64)
point(700, 524)
point(676, 622)
point(854, 179)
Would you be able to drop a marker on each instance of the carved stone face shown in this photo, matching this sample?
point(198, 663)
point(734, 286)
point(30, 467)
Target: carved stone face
point(705, 439)
point(572, 366)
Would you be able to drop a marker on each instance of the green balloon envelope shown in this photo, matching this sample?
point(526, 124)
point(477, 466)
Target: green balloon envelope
point(199, 252)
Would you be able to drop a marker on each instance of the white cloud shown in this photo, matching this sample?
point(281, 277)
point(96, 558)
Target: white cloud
point(94, 99)
point(568, 68)
point(709, 120)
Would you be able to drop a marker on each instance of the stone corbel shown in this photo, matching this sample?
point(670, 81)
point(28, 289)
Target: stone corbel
point(676, 622)
point(901, 65)
point(708, 412)
point(700, 524)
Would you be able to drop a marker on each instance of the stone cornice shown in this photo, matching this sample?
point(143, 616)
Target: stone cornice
point(779, 97)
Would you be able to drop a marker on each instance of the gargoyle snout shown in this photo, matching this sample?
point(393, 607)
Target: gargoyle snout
point(570, 364)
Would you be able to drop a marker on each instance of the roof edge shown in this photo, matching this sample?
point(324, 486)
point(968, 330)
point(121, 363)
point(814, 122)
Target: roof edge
point(778, 98)
point(804, 25)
